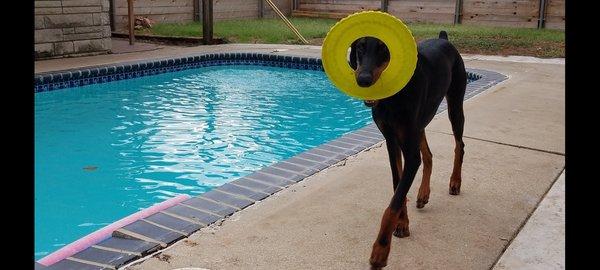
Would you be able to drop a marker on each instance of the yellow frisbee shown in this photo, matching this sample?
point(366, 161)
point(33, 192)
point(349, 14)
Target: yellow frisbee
point(383, 26)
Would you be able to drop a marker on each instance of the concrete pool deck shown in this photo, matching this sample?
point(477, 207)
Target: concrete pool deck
point(514, 153)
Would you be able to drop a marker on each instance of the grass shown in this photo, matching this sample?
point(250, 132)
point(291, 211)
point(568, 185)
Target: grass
point(250, 31)
point(467, 38)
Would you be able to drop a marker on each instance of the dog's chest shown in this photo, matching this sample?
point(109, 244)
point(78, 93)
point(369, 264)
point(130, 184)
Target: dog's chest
point(393, 114)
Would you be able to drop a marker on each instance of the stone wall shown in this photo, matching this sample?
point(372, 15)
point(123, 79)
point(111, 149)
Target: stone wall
point(71, 27)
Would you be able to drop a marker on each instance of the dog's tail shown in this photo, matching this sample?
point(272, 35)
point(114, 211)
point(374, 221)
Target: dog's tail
point(443, 35)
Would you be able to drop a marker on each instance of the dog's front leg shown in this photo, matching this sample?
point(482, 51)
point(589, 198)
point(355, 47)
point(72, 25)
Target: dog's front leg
point(391, 215)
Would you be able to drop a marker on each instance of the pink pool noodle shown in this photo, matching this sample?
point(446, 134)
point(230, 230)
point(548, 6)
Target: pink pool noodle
point(105, 232)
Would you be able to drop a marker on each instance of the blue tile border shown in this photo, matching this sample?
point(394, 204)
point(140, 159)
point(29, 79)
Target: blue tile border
point(149, 235)
point(49, 81)
point(54, 80)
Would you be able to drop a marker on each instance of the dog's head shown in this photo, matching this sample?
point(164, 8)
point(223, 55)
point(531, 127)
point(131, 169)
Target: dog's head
point(368, 57)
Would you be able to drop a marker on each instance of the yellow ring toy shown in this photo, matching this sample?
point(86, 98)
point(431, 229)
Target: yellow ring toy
point(385, 27)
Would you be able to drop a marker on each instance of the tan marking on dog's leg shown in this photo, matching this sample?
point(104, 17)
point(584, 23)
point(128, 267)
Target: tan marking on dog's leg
point(456, 178)
point(402, 227)
point(424, 189)
point(381, 247)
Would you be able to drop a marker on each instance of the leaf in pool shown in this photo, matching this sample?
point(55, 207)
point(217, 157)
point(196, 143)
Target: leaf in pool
point(90, 168)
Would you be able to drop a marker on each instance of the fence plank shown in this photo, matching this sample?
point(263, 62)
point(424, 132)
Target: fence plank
point(517, 13)
point(555, 14)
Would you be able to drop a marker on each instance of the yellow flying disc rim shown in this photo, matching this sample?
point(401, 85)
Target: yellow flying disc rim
point(387, 28)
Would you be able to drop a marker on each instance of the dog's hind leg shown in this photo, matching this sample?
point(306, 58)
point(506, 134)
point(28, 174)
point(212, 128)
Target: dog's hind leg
point(455, 98)
point(424, 189)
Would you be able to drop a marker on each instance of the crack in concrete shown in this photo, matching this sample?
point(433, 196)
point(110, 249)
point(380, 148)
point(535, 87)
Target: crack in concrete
point(503, 143)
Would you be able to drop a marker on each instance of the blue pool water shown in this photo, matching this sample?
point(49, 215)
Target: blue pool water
point(105, 151)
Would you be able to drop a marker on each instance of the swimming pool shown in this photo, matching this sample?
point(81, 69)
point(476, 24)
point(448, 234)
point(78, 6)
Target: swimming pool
point(104, 151)
point(179, 217)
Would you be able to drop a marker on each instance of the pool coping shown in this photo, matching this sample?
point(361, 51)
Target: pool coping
point(149, 235)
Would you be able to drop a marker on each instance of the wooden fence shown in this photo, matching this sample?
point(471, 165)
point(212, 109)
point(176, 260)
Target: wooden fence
point(513, 13)
point(181, 11)
point(157, 10)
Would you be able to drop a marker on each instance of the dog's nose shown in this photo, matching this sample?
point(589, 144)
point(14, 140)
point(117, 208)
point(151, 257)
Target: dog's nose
point(365, 79)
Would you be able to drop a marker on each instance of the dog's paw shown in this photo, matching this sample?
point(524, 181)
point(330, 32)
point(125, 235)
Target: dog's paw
point(402, 232)
point(454, 190)
point(376, 267)
point(422, 203)
point(379, 256)
point(455, 182)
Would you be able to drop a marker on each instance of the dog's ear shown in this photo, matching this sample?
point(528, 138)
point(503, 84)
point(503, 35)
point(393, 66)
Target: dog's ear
point(353, 63)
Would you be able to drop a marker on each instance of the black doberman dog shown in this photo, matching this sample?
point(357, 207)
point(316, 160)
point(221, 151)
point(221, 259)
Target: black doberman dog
point(402, 118)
